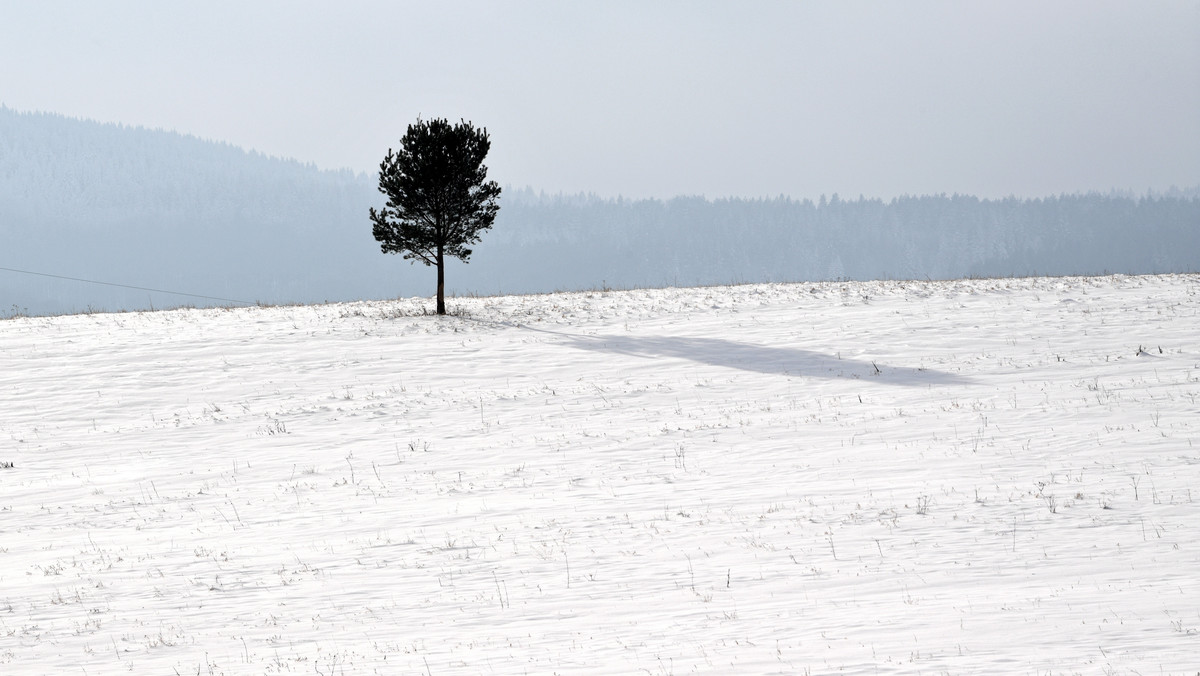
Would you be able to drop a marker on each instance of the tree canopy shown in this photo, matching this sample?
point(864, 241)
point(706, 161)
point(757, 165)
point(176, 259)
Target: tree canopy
point(439, 200)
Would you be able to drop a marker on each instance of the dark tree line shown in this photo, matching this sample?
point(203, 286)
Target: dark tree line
point(690, 240)
point(161, 210)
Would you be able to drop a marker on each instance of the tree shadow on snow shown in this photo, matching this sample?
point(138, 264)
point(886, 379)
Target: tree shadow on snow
point(762, 359)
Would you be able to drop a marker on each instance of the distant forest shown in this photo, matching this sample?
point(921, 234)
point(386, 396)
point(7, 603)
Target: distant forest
point(161, 210)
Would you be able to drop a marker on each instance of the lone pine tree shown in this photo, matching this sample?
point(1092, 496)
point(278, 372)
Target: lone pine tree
point(439, 200)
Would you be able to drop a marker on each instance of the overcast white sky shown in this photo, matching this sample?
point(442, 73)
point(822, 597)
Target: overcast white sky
point(653, 98)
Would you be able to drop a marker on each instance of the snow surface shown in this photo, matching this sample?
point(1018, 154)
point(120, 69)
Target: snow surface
point(989, 476)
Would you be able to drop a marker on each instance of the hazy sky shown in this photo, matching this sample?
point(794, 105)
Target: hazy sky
point(653, 98)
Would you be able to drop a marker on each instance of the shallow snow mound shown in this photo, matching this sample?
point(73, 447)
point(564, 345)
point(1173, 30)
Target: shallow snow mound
point(978, 476)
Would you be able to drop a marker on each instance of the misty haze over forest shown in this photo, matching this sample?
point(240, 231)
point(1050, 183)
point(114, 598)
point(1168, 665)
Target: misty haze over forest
point(161, 210)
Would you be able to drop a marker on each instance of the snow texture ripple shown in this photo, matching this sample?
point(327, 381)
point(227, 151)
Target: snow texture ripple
point(982, 476)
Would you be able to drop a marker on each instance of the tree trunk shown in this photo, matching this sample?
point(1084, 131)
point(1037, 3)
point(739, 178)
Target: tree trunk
point(441, 298)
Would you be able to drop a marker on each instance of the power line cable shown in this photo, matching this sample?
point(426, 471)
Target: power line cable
point(129, 286)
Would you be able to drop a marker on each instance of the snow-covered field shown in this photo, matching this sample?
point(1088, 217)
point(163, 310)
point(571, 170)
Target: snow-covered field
point(993, 476)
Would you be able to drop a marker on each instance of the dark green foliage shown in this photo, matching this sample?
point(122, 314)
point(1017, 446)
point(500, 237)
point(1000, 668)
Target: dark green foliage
point(439, 198)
